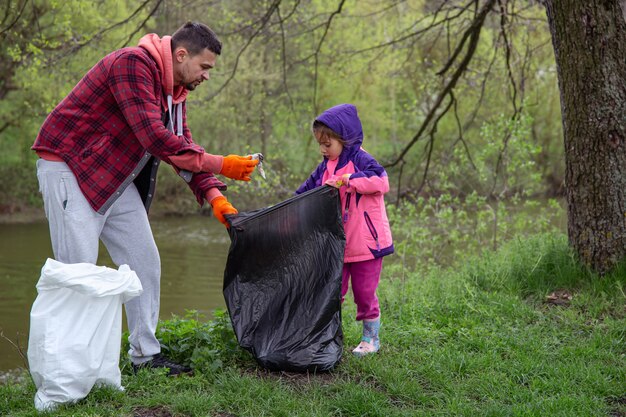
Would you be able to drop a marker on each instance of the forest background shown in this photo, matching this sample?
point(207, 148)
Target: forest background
point(499, 139)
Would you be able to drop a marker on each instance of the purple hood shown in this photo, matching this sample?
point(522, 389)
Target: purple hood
point(344, 120)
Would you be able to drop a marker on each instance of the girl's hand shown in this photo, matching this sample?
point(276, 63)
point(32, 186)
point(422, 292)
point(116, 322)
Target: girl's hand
point(339, 181)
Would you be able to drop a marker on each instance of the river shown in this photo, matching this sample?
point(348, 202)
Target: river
point(193, 253)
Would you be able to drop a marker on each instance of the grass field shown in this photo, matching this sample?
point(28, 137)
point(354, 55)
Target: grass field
point(524, 331)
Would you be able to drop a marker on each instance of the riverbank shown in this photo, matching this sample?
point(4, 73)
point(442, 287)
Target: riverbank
point(522, 331)
point(22, 215)
point(29, 214)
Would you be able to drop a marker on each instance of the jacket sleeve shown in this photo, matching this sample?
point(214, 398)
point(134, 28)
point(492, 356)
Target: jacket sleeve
point(201, 183)
point(314, 181)
point(371, 177)
point(132, 83)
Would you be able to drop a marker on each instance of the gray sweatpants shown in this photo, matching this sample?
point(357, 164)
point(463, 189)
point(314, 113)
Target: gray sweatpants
point(75, 231)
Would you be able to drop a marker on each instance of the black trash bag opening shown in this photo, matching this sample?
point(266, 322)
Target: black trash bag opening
point(282, 282)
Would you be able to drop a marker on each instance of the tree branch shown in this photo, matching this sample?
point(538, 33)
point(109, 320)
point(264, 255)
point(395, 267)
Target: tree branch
point(17, 17)
point(434, 23)
point(101, 32)
point(507, 55)
point(431, 142)
point(283, 55)
point(17, 347)
point(461, 129)
point(317, 52)
point(143, 24)
point(461, 43)
point(473, 36)
point(268, 14)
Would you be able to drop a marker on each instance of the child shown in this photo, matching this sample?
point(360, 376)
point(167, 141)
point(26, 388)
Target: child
point(362, 182)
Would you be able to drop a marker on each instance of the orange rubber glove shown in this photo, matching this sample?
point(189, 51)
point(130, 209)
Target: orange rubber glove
point(238, 167)
point(221, 207)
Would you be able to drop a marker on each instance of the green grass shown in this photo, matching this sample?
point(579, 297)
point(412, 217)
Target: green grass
point(476, 340)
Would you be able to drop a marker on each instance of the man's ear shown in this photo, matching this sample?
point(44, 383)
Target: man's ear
point(180, 53)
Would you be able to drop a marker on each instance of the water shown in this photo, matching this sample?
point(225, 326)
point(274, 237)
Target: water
point(193, 256)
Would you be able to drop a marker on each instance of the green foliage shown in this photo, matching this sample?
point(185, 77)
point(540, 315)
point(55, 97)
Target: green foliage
point(281, 83)
point(18, 187)
point(445, 230)
point(50, 46)
point(206, 346)
point(504, 163)
point(15, 394)
point(271, 80)
point(535, 266)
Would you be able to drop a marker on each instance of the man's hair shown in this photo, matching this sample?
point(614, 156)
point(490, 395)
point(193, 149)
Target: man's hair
point(195, 37)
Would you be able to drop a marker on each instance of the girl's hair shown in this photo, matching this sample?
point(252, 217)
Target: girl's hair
point(325, 131)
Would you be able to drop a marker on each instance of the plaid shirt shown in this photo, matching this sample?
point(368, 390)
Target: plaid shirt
point(109, 125)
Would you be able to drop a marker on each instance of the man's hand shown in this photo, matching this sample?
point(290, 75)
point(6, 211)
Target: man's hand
point(338, 181)
point(238, 167)
point(221, 207)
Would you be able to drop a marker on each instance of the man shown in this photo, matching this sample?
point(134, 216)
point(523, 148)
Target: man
point(99, 152)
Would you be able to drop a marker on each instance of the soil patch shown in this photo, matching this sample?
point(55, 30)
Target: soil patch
point(156, 411)
point(561, 297)
point(295, 378)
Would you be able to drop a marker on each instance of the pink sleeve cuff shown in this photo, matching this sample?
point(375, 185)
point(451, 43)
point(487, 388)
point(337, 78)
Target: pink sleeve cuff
point(212, 193)
point(212, 163)
point(198, 162)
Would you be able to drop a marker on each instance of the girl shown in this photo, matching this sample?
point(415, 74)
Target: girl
point(362, 182)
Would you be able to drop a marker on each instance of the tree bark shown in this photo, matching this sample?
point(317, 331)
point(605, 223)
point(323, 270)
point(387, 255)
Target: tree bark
point(589, 39)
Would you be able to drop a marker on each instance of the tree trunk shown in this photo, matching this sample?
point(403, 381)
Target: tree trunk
point(589, 39)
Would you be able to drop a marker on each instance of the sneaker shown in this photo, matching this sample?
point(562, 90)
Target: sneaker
point(160, 361)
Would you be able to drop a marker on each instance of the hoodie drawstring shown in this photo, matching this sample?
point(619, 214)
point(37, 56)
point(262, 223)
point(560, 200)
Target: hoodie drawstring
point(179, 119)
point(179, 116)
point(170, 125)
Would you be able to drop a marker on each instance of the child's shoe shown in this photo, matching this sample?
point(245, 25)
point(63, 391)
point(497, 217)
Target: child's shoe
point(370, 343)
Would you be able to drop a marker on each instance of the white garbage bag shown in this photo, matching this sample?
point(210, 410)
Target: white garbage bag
point(76, 329)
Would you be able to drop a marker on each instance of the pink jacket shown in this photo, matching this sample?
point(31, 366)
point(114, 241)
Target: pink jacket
point(368, 234)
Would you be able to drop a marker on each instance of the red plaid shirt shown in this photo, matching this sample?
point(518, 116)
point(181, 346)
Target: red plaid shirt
point(108, 122)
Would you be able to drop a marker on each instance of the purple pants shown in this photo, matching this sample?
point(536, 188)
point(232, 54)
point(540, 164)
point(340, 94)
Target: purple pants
point(365, 277)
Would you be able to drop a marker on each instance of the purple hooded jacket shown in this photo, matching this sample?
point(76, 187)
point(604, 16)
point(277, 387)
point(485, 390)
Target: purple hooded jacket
point(365, 222)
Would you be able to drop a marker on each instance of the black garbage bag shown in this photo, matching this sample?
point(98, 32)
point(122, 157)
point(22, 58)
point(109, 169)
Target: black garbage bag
point(282, 282)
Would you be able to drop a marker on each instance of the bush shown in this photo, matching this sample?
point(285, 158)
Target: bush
point(205, 346)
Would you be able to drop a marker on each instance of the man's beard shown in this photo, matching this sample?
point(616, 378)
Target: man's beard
point(190, 86)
